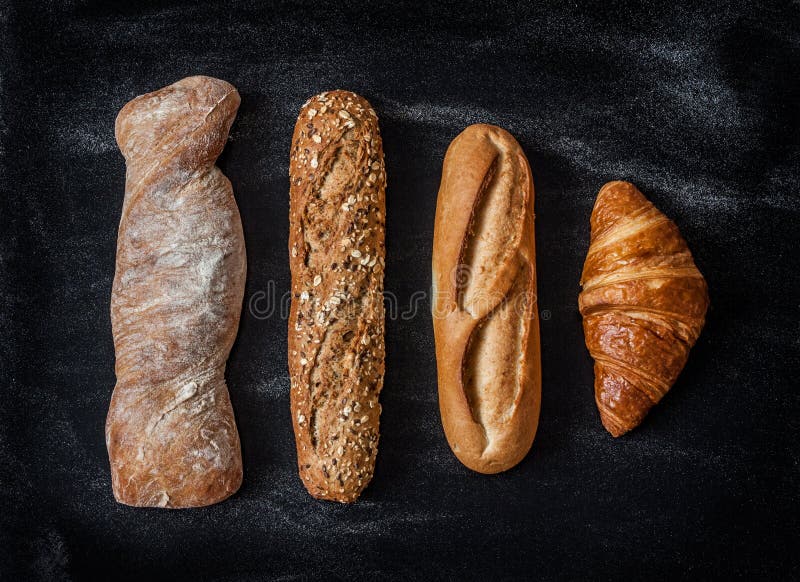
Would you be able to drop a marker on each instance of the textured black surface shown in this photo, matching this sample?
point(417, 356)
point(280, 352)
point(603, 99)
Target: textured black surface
point(698, 108)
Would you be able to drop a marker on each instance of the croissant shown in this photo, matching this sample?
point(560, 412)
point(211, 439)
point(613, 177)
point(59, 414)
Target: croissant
point(643, 305)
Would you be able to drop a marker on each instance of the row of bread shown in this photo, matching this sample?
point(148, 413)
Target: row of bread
point(180, 275)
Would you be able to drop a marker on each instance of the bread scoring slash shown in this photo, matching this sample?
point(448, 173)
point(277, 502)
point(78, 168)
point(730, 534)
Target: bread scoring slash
point(176, 301)
point(484, 306)
point(336, 322)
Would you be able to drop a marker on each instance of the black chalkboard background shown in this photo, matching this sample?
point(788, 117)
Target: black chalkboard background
point(698, 108)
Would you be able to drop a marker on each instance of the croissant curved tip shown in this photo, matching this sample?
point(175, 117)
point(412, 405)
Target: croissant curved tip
point(613, 426)
point(615, 184)
point(620, 193)
point(621, 405)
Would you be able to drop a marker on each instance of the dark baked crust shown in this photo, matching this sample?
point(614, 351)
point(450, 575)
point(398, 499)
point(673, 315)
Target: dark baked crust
point(336, 323)
point(643, 304)
point(484, 304)
point(176, 301)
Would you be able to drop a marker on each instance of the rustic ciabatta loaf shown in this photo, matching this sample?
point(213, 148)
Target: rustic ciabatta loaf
point(176, 301)
point(643, 303)
point(484, 303)
point(336, 323)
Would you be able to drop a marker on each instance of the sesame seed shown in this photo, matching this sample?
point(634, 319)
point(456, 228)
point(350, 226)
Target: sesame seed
point(311, 113)
point(317, 280)
point(314, 162)
point(300, 419)
point(304, 296)
point(316, 138)
point(303, 361)
point(364, 419)
point(344, 114)
point(355, 253)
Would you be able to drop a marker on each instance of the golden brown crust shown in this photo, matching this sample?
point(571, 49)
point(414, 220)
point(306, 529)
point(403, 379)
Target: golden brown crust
point(336, 322)
point(176, 301)
point(484, 300)
point(643, 304)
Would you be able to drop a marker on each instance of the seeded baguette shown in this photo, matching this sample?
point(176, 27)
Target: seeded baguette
point(336, 322)
point(484, 307)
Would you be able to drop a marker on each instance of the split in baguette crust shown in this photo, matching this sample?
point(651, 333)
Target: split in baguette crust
point(336, 322)
point(484, 300)
point(643, 304)
point(176, 301)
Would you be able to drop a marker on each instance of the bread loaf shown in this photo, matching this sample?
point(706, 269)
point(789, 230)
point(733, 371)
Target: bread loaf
point(643, 304)
point(484, 300)
point(336, 322)
point(176, 301)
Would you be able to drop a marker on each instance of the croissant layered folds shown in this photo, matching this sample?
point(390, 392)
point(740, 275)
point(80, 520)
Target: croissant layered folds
point(643, 304)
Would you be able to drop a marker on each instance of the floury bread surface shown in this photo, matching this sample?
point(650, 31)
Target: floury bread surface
point(176, 301)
